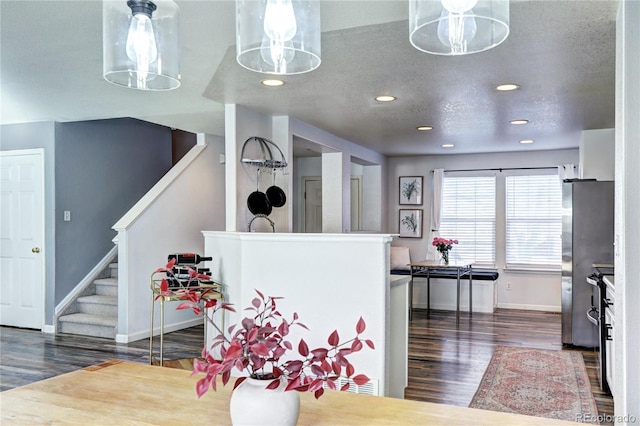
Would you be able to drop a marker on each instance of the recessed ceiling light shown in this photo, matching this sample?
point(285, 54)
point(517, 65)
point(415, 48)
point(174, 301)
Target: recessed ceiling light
point(447, 145)
point(272, 82)
point(422, 128)
point(385, 98)
point(526, 141)
point(519, 121)
point(507, 86)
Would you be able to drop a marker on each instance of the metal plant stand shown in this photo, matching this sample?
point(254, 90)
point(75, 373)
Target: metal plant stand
point(206, 291)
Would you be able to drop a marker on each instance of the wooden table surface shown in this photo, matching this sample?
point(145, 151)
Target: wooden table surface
point(125, 393)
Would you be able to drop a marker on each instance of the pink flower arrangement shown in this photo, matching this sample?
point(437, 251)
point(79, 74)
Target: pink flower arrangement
point(259, 345)
point(442, 244)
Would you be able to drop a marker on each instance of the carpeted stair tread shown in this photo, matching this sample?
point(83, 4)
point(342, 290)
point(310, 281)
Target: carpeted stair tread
point(106, 281)
point(90, 319)
point(99, 299)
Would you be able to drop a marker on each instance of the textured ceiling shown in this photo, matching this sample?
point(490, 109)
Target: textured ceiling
point(562, 53)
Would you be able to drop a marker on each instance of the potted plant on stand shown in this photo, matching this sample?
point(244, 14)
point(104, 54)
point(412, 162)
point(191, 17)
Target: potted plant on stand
point(259, 349)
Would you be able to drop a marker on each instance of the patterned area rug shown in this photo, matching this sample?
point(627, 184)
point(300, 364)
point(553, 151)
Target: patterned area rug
point(537, 382)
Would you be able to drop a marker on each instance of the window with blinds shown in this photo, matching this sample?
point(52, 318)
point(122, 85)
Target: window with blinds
point(534, 221)
point(469, 216)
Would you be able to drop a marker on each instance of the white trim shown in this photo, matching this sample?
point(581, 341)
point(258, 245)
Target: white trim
point(124, 338)
point(522, 306)
point(12, 152)
point(49, 329)
point(123, 282)
point(464, 308)
point(43, 213)
point(286, 237)
point(520, 270)
point(88, 279)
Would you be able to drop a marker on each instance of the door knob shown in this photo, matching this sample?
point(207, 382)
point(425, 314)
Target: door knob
point(35, 250)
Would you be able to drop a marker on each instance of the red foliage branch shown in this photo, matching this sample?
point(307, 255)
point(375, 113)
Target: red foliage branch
point(259, 344)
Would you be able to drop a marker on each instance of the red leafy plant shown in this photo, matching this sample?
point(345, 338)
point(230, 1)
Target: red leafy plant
point(258, 347)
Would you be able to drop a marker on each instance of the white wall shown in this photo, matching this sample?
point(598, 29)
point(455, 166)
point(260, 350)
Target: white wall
point(627, 213)
point(374, 170)
point(373, 217)
point(539, 291)
point(336, 191)
point(176, 210)
point(371, 191)
point(241, 123)
point(597, 154)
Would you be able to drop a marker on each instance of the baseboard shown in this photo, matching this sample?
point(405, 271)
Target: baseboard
point(168, 328)
point(525, 307)
point(49, 329)
point(445, 307)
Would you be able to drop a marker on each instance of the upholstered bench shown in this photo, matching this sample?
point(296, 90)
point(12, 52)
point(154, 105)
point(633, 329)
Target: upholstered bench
point(478, 274)
point(400, 261)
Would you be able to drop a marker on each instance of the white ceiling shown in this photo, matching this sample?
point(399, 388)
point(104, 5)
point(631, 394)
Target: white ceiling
point(562, 53)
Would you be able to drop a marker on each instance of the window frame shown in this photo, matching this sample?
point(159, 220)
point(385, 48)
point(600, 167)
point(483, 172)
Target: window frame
point(540, 267)
point(477, 175)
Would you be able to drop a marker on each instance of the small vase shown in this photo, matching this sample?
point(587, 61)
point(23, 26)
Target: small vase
point(252, 404)
point(444, 258)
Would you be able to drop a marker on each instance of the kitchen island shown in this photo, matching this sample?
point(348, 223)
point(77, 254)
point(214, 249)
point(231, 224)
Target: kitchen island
point(330, 280)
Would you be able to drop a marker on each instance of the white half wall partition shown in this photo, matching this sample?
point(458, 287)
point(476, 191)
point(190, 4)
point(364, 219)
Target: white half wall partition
point(330, 280)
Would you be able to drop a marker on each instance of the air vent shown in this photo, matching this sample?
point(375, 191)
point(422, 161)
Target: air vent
point(370, 388)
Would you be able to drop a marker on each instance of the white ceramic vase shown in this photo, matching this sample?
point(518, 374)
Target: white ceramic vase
point(252, 404)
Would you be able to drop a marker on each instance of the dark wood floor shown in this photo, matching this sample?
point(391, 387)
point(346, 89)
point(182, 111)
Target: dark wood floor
point(446, 362)
point(28, 355)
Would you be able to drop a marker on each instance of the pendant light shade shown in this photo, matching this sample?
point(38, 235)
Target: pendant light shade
point(457, 27)
point(278, 36)
point(141, 44)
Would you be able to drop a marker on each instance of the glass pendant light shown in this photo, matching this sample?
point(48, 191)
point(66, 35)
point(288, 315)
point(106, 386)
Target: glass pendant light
point(278, 36)
point(457, 27)
point(141, 44)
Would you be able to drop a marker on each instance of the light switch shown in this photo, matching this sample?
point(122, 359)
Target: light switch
point(67, 216)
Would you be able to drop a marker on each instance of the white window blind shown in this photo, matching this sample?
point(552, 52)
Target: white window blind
point(469, 216)
point(534, 220)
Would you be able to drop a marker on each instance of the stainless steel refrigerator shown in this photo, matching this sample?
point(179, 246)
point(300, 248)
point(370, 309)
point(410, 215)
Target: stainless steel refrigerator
point(587, 238)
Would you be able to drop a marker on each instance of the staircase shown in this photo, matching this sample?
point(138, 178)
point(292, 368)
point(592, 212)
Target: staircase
point(95, 311)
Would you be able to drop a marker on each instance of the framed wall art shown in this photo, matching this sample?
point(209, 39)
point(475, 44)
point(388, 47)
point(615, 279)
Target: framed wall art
point(410, 223)
point(410, 190)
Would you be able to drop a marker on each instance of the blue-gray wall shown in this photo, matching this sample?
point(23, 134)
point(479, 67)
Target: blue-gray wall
point(30, 136)
point(102, 169)
point(97, 170)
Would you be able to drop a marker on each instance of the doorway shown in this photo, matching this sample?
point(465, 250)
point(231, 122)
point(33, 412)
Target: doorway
point(22, 238)
point(312, 206)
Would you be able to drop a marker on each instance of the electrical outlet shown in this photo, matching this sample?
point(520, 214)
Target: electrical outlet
point(508, 286)
point(67, 216)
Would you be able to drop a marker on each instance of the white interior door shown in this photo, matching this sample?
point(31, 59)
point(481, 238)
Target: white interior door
point(22, 238)
point(312, 205)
